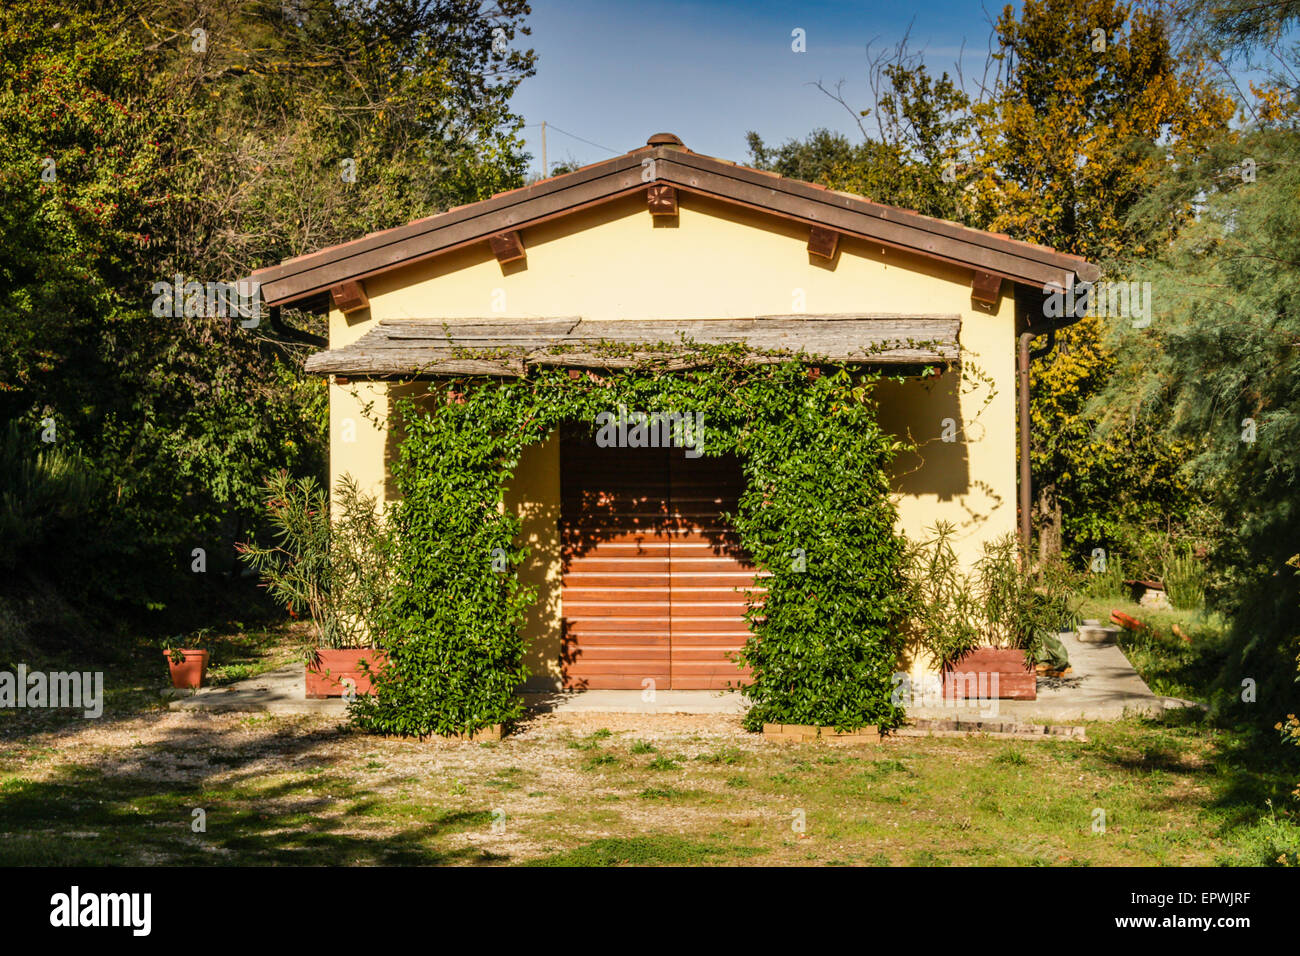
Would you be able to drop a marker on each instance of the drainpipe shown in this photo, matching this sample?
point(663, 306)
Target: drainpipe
point(1022, 372)
point(1023, 359)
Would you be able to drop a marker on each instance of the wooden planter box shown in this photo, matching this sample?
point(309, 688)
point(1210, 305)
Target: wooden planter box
point(329, 669)
point(972, 676)
point(808, 733)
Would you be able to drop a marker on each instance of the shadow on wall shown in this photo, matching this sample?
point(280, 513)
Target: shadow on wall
point(928, 411)
point(534, 495)
point(396, 430)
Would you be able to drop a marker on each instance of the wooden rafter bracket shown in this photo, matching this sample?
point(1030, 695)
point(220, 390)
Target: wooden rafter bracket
point(985, 288)
point(661, 200)
point(823, 242)
point(507, 247)
point(350, 296)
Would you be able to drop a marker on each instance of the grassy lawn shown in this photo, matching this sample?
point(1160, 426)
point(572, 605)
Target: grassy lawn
point(604, 790)
point(598, 790)
point(1180, 654)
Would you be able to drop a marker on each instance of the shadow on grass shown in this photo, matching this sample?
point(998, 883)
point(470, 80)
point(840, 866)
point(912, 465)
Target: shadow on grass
point(1251, 776)
point(140, 810)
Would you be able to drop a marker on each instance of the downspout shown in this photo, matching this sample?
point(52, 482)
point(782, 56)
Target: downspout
point(1023, 359)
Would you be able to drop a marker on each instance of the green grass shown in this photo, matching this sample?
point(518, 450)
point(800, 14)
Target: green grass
point(1172, 665)
point(1176, 791)
point(639, 851)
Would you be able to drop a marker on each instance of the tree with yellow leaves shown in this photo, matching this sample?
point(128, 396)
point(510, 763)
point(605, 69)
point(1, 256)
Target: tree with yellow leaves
point(1092, 101)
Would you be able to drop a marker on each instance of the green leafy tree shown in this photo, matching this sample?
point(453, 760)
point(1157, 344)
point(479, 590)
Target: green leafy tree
point(1083, 104)
point(1220, 367)
point(1093, 102)
point(163, 138)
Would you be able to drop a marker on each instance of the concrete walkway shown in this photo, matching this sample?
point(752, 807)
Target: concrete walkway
point(1101, 686)
point(281, 691)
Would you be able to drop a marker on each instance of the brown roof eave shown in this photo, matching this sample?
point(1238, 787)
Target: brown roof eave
point(1022, 263)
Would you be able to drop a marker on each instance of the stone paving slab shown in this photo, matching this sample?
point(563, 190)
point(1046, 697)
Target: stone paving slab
point(1101, 686)
point(630, 702)
point(281, 691)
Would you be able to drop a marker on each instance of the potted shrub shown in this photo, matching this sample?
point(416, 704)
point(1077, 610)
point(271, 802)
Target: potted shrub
point(988, 630)
point(188, 666)
point(336, 570)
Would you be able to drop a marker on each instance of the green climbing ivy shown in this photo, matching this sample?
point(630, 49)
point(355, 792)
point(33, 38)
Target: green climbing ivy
point(816, 515)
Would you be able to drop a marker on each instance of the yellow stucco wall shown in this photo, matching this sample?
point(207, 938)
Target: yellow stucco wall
point(714, 261)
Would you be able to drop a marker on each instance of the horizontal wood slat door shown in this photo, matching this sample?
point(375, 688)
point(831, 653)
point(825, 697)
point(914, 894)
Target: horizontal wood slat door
point(653, 581)
point(708, 573)
point(615, 546)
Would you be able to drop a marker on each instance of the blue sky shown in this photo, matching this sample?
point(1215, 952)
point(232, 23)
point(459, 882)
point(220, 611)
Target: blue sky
point(614, 72)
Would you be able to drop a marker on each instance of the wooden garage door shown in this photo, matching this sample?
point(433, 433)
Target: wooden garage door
point(653, 581)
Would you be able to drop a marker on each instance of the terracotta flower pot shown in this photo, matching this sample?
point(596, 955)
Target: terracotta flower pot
point(1003, 673)
point(188, 673)
point(329, 672)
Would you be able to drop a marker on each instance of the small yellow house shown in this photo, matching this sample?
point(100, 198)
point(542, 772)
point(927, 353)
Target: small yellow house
point(638, 248)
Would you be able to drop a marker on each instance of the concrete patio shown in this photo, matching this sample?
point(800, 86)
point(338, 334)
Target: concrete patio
point(1102, 685)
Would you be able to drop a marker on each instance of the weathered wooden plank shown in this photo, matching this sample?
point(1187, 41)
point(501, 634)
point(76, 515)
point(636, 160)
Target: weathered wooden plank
point(403, 363)
point(477, 328)
point(431, 346)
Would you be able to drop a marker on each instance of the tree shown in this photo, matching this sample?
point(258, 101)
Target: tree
point(1083, 103)
point(203, 140)
point(1092, 103)
point(917, 157)
point(1220, 368)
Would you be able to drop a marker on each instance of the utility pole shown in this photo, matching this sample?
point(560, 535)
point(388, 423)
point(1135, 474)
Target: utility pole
point(544, 166)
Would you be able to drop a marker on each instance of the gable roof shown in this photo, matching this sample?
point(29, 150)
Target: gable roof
point(674, 165)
